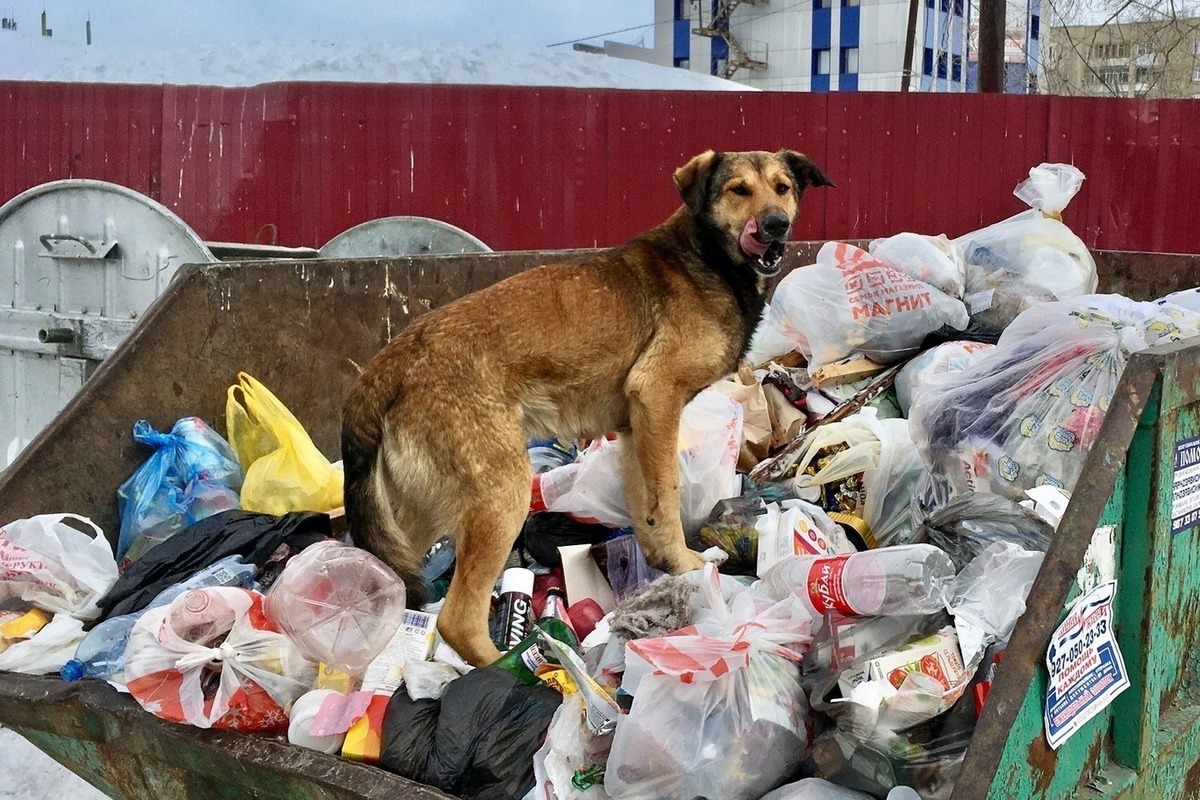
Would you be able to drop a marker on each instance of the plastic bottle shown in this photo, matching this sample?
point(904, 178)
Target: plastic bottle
point(554, 619)
point(546, 454)
point(101, 654)
point(516, 607)
point(906, 579)
point(338, 604)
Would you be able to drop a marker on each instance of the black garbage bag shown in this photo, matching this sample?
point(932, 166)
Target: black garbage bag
point(254, 537)
point(477, 742)
point(545, 531)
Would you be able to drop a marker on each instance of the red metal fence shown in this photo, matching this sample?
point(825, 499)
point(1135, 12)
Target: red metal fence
point(524, 167)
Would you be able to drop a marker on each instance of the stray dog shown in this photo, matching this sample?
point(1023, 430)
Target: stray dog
point(435, 426)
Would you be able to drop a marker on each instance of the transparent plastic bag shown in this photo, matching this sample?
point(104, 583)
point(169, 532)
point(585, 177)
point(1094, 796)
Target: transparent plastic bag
point(711, 700)
point(967, 524)
point(710, 438)
point(212, 659)
point(930, 259)
point(192, 474)
point(1030, 255)
point(990, 592)
point(284, 469)
point(882, 452)
point(1027, 413)
point(573, 759)
point(921, 374)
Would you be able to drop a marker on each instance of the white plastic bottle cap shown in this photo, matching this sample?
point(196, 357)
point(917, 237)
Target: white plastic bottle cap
point(517, 579)
point(304, 711)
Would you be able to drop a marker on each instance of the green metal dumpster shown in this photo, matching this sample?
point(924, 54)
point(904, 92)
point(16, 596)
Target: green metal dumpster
point(302, 327)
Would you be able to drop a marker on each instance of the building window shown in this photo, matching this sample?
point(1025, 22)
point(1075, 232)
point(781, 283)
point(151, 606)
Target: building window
point(1145, 49)
point(945, 6)
point(927, 64)
point(821, 3)
point(821, 61)
point(956, 68)
point(1112, 77)
point(941, 73)
point(849, 3)
point(958, 8)
point(1196, 74)
point(1111, 50)
point(849, 64)
point(1035, 26)
point(929, 3)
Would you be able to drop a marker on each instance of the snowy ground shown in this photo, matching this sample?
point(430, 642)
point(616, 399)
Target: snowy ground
point(30, 774)
point(24, 57)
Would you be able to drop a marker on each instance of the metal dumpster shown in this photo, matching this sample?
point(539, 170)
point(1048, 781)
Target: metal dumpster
point(84, 258)
point(288, 322)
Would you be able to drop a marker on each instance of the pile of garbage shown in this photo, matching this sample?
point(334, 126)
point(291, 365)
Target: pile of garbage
point(874, 492)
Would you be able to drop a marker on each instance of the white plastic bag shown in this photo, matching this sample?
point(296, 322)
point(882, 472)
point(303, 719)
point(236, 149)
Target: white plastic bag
point(930, 259)
point(47, 650)
point(882, 451)
point(815, 789)
point(570, 765)
point(921, 373)
point(718, 697)
point(1031, 256)
point(46, 563)
point(849, 302)
point(1188, 298)
point(990, 592)
point(710, 439)
point(220, 633)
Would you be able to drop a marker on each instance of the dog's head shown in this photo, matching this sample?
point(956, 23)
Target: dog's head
point(748, 200)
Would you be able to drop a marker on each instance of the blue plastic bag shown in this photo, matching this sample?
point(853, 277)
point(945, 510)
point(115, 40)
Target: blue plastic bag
point(192, 474)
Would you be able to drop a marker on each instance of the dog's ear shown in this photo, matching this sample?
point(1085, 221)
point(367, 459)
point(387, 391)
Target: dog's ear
point(804, 171)
point(692, 179)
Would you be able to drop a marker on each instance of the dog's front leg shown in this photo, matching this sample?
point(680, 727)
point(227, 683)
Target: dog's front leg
point(650, 464)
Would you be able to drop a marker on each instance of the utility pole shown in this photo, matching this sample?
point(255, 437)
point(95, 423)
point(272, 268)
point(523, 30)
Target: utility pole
point(991, 45)
point(909, 44)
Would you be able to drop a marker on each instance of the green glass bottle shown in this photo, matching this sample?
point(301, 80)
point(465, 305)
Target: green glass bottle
point(555, 622)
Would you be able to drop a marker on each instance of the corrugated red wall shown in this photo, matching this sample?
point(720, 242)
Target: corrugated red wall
point(525, 167)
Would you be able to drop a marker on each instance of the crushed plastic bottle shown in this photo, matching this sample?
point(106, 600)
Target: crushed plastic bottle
point(101, 654)
point(338, 604)
point(905, 579)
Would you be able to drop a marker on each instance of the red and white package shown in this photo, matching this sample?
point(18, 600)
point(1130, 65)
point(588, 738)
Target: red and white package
point(212, 659)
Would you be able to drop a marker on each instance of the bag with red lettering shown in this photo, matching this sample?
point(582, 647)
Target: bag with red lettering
point(850, 302)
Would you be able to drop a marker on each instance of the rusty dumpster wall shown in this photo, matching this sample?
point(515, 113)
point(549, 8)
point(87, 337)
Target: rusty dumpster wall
point(527, 167)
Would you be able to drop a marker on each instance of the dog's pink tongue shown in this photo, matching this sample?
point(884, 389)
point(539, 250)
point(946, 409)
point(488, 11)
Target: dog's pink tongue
point(750, 245)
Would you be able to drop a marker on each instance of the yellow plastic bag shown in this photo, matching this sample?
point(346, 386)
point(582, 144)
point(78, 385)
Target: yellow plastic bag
point(284, 469)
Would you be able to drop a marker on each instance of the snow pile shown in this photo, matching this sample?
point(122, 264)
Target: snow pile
point(247, 64)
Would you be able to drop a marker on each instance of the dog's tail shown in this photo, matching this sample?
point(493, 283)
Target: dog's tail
point(370, 513)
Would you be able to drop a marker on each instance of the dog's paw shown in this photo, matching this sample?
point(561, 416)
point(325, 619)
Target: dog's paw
point(685, 561)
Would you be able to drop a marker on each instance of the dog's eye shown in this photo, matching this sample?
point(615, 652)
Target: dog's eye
point(782, 188)
point(740, 190)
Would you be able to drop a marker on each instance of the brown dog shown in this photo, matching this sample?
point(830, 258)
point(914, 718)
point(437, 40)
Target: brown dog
point(434, 432)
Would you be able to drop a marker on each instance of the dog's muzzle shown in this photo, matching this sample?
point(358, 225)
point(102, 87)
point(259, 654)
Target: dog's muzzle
point(764, 256)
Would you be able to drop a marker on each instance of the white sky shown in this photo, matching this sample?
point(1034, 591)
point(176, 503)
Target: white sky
point(176, 23)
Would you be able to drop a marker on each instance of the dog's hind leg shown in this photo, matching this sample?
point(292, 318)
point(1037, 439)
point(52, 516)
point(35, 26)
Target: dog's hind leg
point(491, 514)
